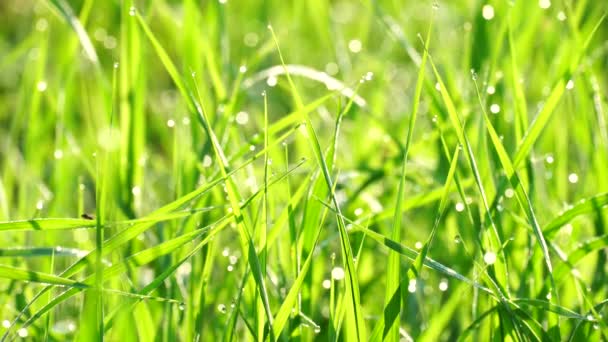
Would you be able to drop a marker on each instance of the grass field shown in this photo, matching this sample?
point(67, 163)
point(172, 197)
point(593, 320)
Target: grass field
point(303, 170)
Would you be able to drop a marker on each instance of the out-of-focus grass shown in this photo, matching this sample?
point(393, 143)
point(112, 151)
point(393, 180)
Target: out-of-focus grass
point(187, 170)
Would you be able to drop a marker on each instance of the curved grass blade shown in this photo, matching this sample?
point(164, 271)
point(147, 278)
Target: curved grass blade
point(584, 206)
point(392, 299)
point(9, 272)
point(44, 224)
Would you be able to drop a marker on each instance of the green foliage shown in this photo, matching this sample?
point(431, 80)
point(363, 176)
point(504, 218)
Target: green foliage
point(180, 170)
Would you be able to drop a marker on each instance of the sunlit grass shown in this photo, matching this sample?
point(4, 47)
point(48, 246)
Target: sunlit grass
point(306, 170)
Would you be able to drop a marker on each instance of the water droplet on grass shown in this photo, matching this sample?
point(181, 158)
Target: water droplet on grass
point(337, 273)
point(170, 123)
point(207, 161)
point(573, 178)
point(355, 46)
point(58, 154)
point(272, 81)
point(544, 4)
point(489, 258)
point(495, 108)
point(443, 285)
point(411, 287)
point(132, 11)
point(326, 284)
point(487, 12)
point(6, 323)
point(570, 85)
point(41, 86)
point(459, 207)
point(221, 308)
point(243, 69)
point(22, 332)
point(242, 118)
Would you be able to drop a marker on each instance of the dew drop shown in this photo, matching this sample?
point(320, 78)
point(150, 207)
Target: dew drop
point(132, 11)
point(170, 123)
point(207, 161)
point(570, 85)
point(457, 239)
point(243, 69)
point(6, 323)
point(58, 154)
point(411, 287)
point(473, 75)
point(272, 81)
point(495, 108)
point(242, 118)
point(41, 86)
point(116, 65)
point(573, 178)
point(326, 284)
point(337, 273)
point(487, 12)
point(233, 259)
point(22, 332)
point(355, 46)
point(443, 285)
point(459, 207)
point(489, 258)
point(221, 308)
point(544, 4)
point(418, 245)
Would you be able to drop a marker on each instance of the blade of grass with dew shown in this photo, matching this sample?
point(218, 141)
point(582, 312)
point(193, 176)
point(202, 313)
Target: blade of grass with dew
point(413, 271)
point(8, 272)
point(347, 255)
point(494, 237)
point(127, 235)
point(584, 206)
point(46, 224)
point(392, 298)
point(524, 202)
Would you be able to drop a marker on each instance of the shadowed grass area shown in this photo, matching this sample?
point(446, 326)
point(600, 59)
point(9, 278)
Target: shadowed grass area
point(181, 170)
